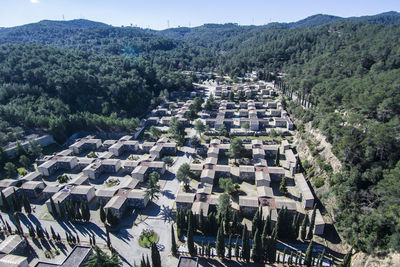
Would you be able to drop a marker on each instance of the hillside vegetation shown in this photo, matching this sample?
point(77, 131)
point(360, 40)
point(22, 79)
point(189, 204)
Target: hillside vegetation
point(349, 69)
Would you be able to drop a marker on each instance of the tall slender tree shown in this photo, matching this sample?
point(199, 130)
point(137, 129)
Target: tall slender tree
point(308, 256)
point(174, 250)
point(312, 224)
point(257, 254)
point(190, 232)
point(220, 244)
point(237, 251)
point(155, 256)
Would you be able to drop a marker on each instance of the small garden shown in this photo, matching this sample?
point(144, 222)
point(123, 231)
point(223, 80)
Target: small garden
point(147, 238)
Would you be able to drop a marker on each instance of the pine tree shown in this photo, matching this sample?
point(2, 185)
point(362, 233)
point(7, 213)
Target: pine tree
point(220, 245)
point(155, 256)
point(257, 248)
point(174, 251)
point(308, 257)
point(237, 251)
point(303, 228)
point(5, 205)
point(190, 241)
point(230, 246)
point(312, 224)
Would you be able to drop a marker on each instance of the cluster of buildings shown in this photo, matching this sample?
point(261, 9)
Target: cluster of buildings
point(96, 170)
point(266, 177)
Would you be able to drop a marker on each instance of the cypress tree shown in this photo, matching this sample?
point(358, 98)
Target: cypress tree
point(220, 245)
point(230, 246)
point(277, 158)
point(308, 257)
point(283, 187)
point(347, 259)
point(174, 251)
point(312, 224)
point(53, 234)
point(234, 223)
point(237, 251)
point(202, 224)
point(27, 205)
point(108, 238)
point(143, 262)
point(284, 256)
point(257, 248)
point(190, 241)
point(255, 222)
point(155, 256)
point(246, 246)
point(271, 250)
point(322, 256)
point(16, 203)
point(5, 205)
point(303, 228)
point(244, 233)
point(202, 248)
point(290, 259)
point(147, 261)
point(53, 208)
point(102, 214)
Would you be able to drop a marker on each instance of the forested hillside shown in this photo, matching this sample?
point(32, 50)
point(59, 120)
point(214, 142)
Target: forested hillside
point(349, 69)
point(64, 91)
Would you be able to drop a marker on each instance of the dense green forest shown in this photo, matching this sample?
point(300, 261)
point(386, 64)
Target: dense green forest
point(64, 91)
point(102, 77)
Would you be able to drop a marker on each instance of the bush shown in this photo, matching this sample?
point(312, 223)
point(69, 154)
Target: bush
point(22, 171)
point(62, 179)
point(147, 237)
point(319, 182)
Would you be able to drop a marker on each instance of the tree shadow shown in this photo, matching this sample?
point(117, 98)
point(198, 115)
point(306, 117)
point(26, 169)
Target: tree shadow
point(167, 193)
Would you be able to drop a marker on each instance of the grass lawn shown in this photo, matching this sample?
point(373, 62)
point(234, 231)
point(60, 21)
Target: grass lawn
point(146, 239)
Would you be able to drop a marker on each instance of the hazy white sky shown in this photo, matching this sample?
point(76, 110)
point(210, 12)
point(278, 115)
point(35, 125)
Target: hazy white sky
point(158, 14)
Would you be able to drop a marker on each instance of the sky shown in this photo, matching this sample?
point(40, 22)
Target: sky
point(161, 14)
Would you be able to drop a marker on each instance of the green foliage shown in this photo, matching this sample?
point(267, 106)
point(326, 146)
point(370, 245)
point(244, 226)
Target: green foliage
point(236, 148)
point(100, 258)
point(62, 179)
point(10, 169)
point(184, 174)
point(319, 182)
point(155, 132)
point(226, 184)
point(22, 171)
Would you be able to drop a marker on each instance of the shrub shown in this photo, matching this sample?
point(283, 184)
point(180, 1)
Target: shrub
point(22, 171)
point(319, 182)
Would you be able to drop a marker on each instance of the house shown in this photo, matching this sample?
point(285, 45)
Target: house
point(187, 261)
point(262, 178)
point(9, 193)
point(213, 152)
point(95, 169)
point(77, 258)
point(137, 198)
point(13, 260)
point(184, 201)
point(139, 172)
point(59, 199)
point(306, 195)
point(200, 208)
point(258, 153)
point(56, 163)
point(85, 144)
point(108, 143)
point(152, 120)
point(279, 122)
point(32, 176)
point(204, 188)
point(83, 193)
point(284, 146)
point(83, 162)
point(248, 205)
point(123, 146)
point(207, 176)
point(129, 165)
point(5, 183)
point(276, 173)
point(286, 203)
point(50, 190)
point(117, 205)
point(33, 189)
point(246, 172)
point(291, 160)
point(146, 146)
point(80, 179)
point(13, 244)
point(103, 195)
point(265, 192)
point(319, 226)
